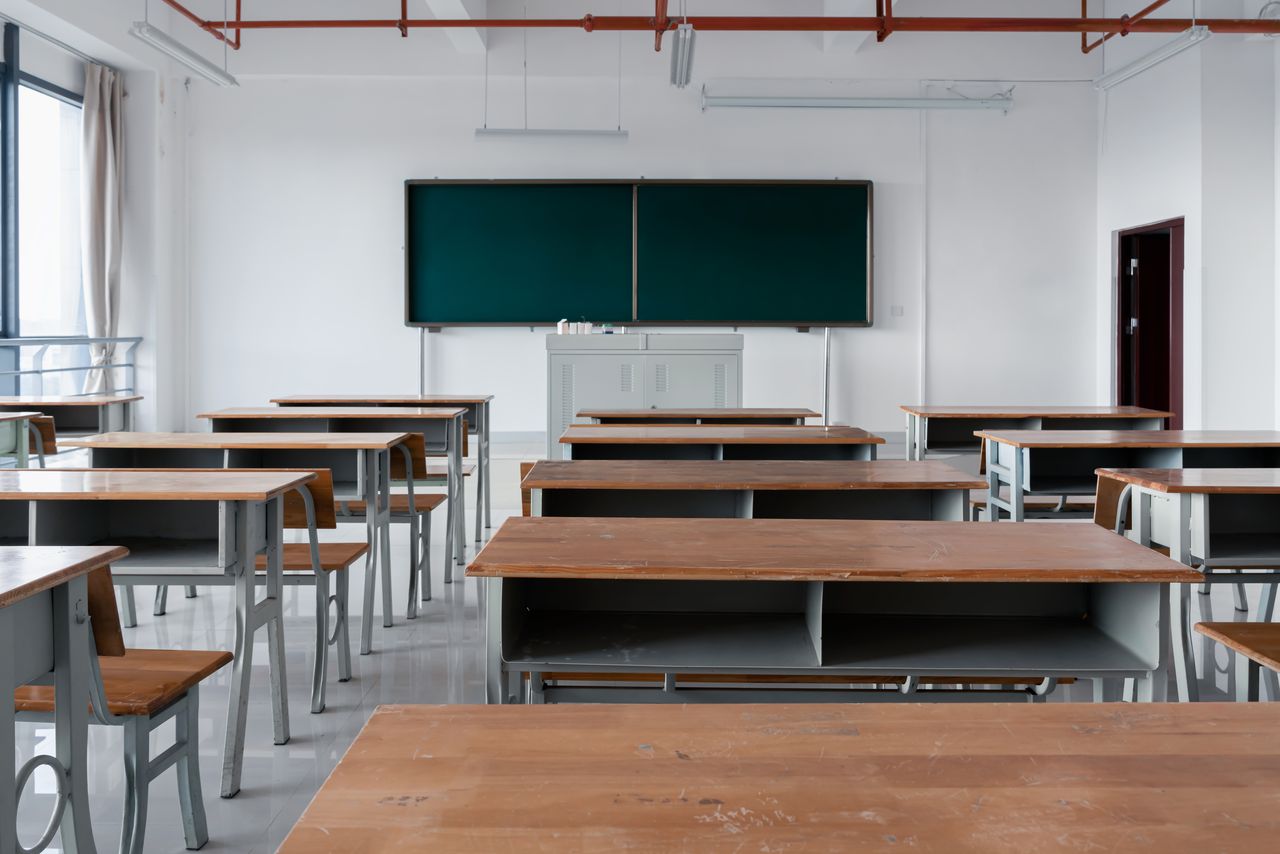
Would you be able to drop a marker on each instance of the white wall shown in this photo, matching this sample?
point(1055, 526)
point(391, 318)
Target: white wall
point(296, 216)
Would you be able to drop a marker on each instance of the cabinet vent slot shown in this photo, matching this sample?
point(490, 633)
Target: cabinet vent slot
point(661, 380)
point(721, 383)
point(567, 409)
point(627, 379)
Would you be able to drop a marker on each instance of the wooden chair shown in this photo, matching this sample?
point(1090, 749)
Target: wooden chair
point(138, 690)
point(311, 563)
point(412, 508)
point(43, 438)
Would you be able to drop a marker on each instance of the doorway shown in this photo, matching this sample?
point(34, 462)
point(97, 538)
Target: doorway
point(1149, 262)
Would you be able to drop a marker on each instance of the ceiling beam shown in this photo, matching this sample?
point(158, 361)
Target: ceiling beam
point(468, 40)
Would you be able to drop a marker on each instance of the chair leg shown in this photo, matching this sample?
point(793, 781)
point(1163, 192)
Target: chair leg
point(190, 797)
point(384, 537)
point(190, 591)
point(415, 556)
point(1242, 601)
point(137, 776)
point(128, 606)
point(425, 533)
point(343, 636)
point(162, 600)
point(370, 579)
point(321, 669)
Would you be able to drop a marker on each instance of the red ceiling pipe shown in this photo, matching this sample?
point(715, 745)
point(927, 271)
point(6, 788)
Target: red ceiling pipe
point(215, 30)
point(884, 11)
point(659, 23)
point(1129, 20)
point(404, 16)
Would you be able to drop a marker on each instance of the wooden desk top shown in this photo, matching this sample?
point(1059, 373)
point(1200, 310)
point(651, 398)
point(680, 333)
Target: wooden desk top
point(364, 413)
point(816, 550)
point(38, 400)
point(1134, 438)
point(1034, 411)
point(1258, 641)
point(246, 441)
point(28, 570)
point(381, 399)
point(1202, 481)
point(147, 484)
point(812, 778)
point(18, 416)
point(747, 474)
point(744, 413)
point(715, 434)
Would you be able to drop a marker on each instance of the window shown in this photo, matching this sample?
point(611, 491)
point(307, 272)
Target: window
point(50, 301)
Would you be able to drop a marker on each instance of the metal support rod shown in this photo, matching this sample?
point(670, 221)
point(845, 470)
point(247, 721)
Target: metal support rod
point(422, 360)
point(826, 378)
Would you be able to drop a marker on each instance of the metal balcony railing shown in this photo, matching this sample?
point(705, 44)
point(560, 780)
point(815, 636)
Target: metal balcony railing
point(30, 380)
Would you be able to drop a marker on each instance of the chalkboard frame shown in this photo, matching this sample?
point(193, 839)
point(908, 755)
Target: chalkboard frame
point(635, 183)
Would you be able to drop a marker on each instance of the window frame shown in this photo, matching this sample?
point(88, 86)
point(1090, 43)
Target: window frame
point(12, 78)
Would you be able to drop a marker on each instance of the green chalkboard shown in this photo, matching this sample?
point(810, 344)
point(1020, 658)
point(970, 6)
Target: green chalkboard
point(518, 253)
point(754, 253)
point(778, 253)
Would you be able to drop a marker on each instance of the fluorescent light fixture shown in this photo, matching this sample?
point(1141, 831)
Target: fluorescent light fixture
point(1188, 38)
point(181, 54)
point(829, 103)
point(682, 41)
point(491, 133)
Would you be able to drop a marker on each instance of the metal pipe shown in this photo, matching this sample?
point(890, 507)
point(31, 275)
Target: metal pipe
point(826, 379)
point(614, 23)
point(1087, 48)
point(216, 30)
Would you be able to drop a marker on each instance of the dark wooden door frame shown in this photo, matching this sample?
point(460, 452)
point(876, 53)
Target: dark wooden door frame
point(1177, 250)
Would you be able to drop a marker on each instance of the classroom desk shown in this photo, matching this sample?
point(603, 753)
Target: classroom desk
point(178, 525)
point(360, 464)
point(1256, 645)
point(1225, 522)
point(813, 778)
point(79, 415)
point(780, 416)
point(441, 428)
point(717, 442)
point(478, 420)
point(1063, 462)
point(820, 598)
point(43, 602)
point(751, 489)
point(15, 427)
point(952, 428)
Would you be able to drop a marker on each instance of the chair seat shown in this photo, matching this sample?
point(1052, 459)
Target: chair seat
point(142, 682)
point(441, 470)
point(424, 503)
point(333, 556)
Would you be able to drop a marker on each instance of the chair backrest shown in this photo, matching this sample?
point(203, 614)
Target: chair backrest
point(417, 446)
point(466, 439)
point(104, 618)
point(295, 508)
point(1106, 505)
point(48, 435)
point(526, 495)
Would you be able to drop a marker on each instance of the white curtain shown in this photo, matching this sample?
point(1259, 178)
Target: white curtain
point(102, 165)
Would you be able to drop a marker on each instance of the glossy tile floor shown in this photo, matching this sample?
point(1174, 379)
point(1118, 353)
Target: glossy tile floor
point(436, 658)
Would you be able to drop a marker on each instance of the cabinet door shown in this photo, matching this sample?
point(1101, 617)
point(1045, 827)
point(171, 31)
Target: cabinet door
point(682, 380)
point(602, 380)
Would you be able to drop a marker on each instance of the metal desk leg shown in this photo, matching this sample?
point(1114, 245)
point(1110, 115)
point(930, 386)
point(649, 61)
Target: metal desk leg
point(8, 753)
point(1017, 478)
point(479, 474)
point(488, 466)
point(1247, 679)
point(369, 491)
point(382, 508)
point(242, 529)
point(1184, 664)
point(911, 437)
point(462, 497)
point(71, 709)
point(495, 685)
point(993, 483)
